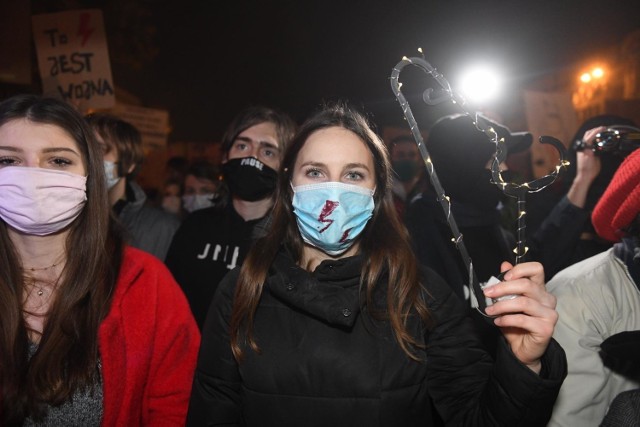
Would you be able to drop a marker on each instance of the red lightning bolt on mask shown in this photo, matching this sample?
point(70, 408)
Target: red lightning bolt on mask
point(331, 215)
point(327, 210)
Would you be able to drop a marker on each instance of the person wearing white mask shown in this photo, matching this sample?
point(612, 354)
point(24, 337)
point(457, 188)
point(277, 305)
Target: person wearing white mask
point(148, 228)
point(201, 186)
point(94, 332)
point(172, 197)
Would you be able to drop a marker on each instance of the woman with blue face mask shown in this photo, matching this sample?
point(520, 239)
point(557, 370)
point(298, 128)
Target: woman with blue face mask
point(330, 320)
point(93, 332)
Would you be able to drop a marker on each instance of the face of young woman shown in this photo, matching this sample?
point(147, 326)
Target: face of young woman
point(24, 143)
point(334, 154)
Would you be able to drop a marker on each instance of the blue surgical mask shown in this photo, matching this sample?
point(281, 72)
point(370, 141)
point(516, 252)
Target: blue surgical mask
point(331, 215)
point(111, 173)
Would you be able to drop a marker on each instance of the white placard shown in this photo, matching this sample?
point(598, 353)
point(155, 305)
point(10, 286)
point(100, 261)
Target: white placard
point(73, 58)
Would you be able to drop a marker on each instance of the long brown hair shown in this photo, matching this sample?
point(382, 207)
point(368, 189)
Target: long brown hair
point(67, 355)
point(393, 255)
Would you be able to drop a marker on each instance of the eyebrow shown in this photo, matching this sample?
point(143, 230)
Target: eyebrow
point(347, 166)
point(58, 149)
point(356, 165)
point(312, 163)
point(46, 150)
point(8, 148)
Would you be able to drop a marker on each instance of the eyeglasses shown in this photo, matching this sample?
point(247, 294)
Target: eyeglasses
point(617, 139)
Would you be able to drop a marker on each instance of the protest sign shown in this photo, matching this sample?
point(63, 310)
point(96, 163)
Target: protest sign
point(73, 58)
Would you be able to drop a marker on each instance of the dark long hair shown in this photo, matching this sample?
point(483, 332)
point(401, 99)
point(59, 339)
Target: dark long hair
point(67, 355)
point(394, 255)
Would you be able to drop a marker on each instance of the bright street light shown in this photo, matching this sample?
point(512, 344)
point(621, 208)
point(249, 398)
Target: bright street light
point(597, 73)
point(480, 84)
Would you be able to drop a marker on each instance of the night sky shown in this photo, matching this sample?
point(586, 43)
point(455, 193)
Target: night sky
point(216, 57)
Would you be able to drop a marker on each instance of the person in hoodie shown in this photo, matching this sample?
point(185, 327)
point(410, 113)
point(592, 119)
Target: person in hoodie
point(212, 241)
point(462, 155)
point(147, 227)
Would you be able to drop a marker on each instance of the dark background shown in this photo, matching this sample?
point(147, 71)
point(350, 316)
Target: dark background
point(205, 60)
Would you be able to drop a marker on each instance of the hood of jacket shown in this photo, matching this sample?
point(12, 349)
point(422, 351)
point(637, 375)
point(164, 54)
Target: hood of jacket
point(331, 292)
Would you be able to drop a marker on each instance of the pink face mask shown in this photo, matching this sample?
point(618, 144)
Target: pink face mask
point(40, 201)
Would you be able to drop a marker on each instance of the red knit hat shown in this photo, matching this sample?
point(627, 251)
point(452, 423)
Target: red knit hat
point(620, 203)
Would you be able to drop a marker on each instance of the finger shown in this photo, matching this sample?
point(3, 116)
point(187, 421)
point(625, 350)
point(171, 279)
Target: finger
point(505, 266)
point(522, 287)
point(532, 305)
point(538, 326)
point(591, 133)
point(532, 270)
point(524, 307)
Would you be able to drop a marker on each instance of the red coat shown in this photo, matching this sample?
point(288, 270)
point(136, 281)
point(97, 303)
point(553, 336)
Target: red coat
point(148, 347)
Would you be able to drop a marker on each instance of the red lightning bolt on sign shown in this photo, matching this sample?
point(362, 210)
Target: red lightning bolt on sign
point(84, 28)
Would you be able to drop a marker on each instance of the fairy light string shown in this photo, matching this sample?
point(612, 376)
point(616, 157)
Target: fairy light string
point(446, 94)
point(516, 190)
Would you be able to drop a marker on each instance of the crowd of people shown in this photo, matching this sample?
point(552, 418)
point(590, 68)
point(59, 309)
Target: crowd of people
point(310, 278)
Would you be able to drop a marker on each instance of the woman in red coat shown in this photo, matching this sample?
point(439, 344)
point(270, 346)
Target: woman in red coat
point(93, 332)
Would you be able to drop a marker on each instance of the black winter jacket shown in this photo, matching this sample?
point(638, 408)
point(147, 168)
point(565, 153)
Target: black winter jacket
point(557, 244)
point(325, 362)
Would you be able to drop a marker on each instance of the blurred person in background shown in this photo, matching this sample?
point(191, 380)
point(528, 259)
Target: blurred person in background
point(462, 156)
point(172, 196)
point(409, 174)
point(202, 186)
point(566, 235)
point(148, 228)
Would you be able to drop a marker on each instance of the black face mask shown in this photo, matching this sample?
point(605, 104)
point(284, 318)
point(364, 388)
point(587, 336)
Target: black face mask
point(249, 179)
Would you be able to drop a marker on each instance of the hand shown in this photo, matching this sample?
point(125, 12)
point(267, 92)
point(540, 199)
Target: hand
point(587, 163)
point(527, 322)
point(588, 167)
